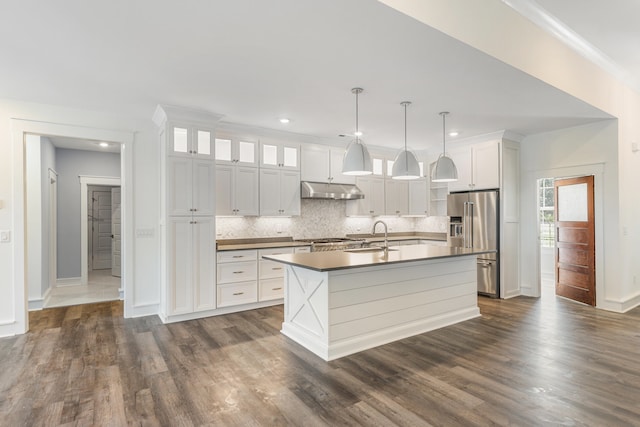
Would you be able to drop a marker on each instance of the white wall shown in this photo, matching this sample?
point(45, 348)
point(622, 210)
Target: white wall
point(71, 164)
point(145, 290)
point(553, 154)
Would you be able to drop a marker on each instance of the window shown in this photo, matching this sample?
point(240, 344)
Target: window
point(546, 212)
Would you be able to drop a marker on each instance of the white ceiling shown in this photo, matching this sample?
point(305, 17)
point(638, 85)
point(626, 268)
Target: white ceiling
point(258, 60)
point(83, 144)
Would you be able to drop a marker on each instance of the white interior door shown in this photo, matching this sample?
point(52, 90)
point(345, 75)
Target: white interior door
point(116, 237)
point(100, 221)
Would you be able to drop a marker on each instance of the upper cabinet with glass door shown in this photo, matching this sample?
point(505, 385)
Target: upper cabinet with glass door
point(188, 141)
point(234, 151)
point(276, 155)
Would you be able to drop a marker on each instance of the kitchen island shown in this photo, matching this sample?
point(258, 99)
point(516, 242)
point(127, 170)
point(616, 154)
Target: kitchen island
point(339, 303)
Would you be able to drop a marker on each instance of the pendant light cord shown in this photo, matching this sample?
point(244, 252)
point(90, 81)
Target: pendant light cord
point(405, 126)
point(357, 130)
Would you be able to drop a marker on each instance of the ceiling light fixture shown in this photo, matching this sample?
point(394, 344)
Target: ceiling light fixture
point(405, 166)
point(104, 144)
point(453, 133)
point(444, 170)
point(357, 160)
point(284, 121)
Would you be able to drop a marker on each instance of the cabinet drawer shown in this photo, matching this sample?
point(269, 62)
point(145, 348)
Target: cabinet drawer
point(235, 256)
point(237, 272)
point(237, 293)
point(274, 251)
point(271, 269)
point(271, 289)
point(302, 250)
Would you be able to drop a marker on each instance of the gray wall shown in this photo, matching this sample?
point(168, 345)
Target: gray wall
point(70, 164)
point(48, 161)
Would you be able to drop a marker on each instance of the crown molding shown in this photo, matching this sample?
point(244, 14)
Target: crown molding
point(535, 13)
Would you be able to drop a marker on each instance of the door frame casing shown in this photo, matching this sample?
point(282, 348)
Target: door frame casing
point(19, 322)
point(85, 182)
point(597, 170)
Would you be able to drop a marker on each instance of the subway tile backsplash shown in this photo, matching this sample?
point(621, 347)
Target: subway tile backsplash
point(319, 218)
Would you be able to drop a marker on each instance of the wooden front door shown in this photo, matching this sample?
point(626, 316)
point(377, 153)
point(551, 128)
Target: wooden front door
point(575, 239)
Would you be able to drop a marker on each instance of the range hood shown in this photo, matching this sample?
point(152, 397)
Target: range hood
point(324, 190)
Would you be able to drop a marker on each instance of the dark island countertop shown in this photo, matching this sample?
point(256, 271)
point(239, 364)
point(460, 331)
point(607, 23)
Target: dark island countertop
point(340, 260)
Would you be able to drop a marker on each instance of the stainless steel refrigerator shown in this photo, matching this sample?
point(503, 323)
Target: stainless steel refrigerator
point(474, 223)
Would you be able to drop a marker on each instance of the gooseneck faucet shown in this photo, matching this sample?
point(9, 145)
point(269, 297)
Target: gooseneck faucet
point(373, 232)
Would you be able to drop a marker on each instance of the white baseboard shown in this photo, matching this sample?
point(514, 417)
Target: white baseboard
point(69, 281)
point(39, 303)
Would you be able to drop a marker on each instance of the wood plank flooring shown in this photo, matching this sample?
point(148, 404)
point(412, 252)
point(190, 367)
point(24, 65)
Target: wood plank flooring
point(525, 362)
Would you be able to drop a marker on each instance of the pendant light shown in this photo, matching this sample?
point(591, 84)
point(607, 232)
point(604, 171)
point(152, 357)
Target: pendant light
point(357, 160)
point(405, 166)
point(444, 170)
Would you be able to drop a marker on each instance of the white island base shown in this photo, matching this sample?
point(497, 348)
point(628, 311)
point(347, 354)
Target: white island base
point(340, 312)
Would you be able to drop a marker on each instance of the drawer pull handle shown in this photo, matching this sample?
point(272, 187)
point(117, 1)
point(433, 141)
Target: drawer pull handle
point(276, 289)
point(238, 293)
point(238, 272)
point(238, 256)
point(277, 268)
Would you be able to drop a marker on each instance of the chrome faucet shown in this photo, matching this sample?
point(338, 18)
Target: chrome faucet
point(373, 232)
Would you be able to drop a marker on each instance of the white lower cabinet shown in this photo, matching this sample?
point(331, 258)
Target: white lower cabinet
point(244, 277)
point(237, 293)
point(237, 277)
point(191, 273)
point(271, 276)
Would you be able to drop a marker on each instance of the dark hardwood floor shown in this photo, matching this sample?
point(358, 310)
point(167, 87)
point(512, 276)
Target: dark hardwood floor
point(524, 362)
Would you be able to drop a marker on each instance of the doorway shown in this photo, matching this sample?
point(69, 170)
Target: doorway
point(20, 129)
point(566, 235)
point(546, 236)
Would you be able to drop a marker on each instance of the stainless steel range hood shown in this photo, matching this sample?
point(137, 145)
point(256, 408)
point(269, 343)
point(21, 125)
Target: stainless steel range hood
point(323, 190)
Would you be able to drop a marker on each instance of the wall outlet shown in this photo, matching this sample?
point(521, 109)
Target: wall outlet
point(5, 236)
point(145, 232)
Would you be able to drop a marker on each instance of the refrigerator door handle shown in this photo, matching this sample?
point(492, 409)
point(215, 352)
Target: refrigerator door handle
point(470, 216)
point(465, 229)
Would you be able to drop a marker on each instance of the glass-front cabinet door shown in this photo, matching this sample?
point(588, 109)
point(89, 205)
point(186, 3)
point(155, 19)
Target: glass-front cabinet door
point(280, 155)
point(189, 141)
point(236, 151)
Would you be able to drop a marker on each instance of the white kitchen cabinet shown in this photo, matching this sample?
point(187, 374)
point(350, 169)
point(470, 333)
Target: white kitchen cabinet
point(478, 166)
point(396, 197)
point(237, 190)
point(190, 141)
point(237, 277)
point(191, 272)
point(190, 186)
point(275, 155)
point(279, 192)
point(373, 203)
point(323, 164)
point(233, 151)
point(187, 212)
point(438, 192)
point(418, 197)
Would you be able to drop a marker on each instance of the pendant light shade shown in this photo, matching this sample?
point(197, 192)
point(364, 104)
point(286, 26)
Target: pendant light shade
point(405, 166)
point(357, 160)
point(444, 170)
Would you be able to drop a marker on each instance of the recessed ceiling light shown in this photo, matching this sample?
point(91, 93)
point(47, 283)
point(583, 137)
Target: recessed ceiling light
point(284, 121)
point(104, 144)
point(453, 133)
point(358, 133)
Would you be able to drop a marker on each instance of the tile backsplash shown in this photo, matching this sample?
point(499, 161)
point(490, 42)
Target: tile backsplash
point(320, 218)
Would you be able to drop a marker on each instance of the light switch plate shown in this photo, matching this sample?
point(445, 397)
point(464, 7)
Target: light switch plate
point(5, 236)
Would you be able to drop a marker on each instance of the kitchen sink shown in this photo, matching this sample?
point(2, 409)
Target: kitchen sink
point(368, 250)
